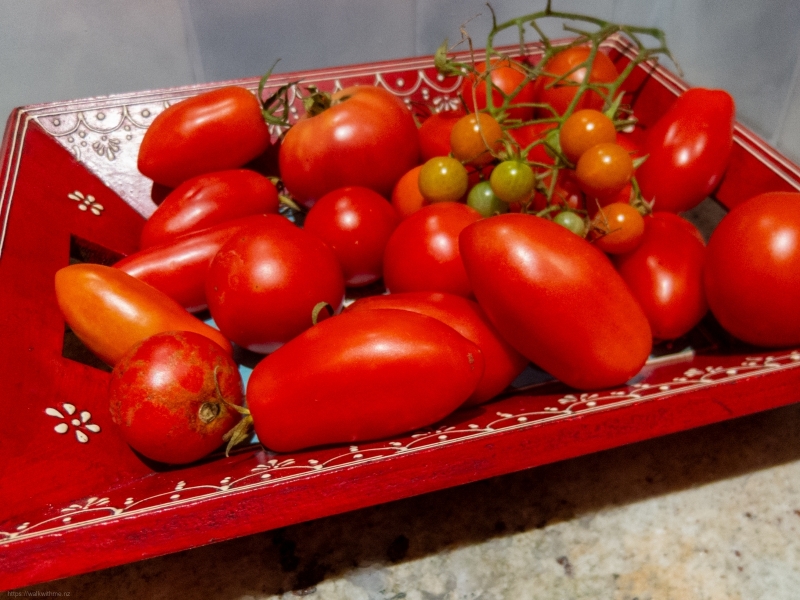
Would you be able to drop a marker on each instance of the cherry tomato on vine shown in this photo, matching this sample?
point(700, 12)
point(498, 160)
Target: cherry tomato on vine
point(355, 223)
point(163, 396)
point(475, 137)
point(572, 221)
point(406, 197)
point(506, 77)
point(665, 274)
point(209, 199)
point(535, 138)
point(422, 254)
point(434, 133)
point(582, 130)
point(603, 170)
point(566, 192)
point(483, 199)
point(620, 228)
point(213, 131)
point(513, 181)
point(443, 179)
point(367, 137)
point(688, 150)
point(559, 92)
point(264, 283)
point(752, 272)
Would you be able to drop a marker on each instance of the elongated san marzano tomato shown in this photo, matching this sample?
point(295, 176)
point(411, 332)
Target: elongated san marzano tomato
point(110, 311)
point(502, 363)
point(557, 299)
point(217, 130)
point(360, 376)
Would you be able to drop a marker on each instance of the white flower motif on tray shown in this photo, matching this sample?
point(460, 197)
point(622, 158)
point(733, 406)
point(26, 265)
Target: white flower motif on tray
point(86, 203)
point(70, 420)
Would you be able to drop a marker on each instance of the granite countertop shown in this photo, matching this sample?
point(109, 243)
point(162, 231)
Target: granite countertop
point(712, 513)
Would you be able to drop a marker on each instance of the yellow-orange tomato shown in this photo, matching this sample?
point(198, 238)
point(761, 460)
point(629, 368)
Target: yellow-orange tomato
point(620, 227)
point(584, 129)
point(406, 197)
point(110, 311)
point(443, 179)
point(475, 137)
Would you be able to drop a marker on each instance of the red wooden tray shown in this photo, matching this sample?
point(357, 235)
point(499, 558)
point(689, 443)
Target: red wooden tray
point(75, 498)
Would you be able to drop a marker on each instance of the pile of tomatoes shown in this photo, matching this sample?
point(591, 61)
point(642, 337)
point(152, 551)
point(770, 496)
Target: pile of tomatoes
point(528, 226)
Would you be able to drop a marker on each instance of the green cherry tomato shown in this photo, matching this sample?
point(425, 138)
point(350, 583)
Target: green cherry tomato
point(443, 179)
point(513, 181)
point(483, 199)
point(572, 221)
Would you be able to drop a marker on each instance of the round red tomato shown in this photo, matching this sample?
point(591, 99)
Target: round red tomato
point(507, 78)
point(163, 396)
point(559, 93)
point(434, 133)
point(502, 364)
point(752, 274)
point(214, 131)
point(688, 150)
point(263, 284)
point(406, 197)
point(557, 299)
point(361, 375)
point(532, 141)
point(422, 254)
point(209, 199)
point(355, 223)
point(665, 274)
point(366, 138)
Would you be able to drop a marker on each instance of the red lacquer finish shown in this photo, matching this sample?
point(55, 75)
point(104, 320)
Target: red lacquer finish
point(76, 498)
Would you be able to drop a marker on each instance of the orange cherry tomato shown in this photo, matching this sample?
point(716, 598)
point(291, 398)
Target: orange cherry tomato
point(110, 311)
point(620, 226)
point(604, 169)
point(507, 78)
point(406, 197)
point(584, 129)
point(475, 137)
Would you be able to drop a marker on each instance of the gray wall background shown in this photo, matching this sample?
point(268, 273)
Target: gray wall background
point(63, 49)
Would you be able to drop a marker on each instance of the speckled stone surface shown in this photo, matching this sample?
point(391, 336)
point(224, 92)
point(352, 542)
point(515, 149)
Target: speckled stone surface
point(710, 514)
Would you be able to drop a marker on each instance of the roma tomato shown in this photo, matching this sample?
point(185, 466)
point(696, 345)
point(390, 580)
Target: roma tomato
point(366, 138)
point(422, 254)
point(434, 133)
point(110, 311)
point(688, 150)
point(502, 364)
point(665, 274)
point(752, 273)
point(163, 396)
point(179, 267)
point(359, 376)
point(564, 72)
point(209, 199)
point(506, 78)
point(214, 131)
point(557, 299)
point(263, 284)
point(355, 223)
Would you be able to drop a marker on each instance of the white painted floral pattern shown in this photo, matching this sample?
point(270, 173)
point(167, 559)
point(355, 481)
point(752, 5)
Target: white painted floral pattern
point(71, 419)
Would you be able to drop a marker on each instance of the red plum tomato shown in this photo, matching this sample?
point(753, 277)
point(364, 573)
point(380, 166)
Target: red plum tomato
point(213, 131)
point(752, 272)
point(422, 254)
point(207, 200)
point(355, 223)
point(665, 274)
point(163, 396)
point(557, 299)
point(359, 376)
point(264, 283)
point(367, 138)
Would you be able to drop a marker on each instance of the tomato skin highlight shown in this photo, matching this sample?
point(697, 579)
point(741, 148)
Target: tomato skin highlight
point(263, 284)
point(355, 223)
point(502, 364)
point(209, 199)
point(179, 267)
point(162, 396)
point(214, 131)
point(359, 376)
point(110, 311)
point(752, 272)
point(688, 150)
point(556, 299)
point(422, 254)
point(367, 138)
point(665, 274)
